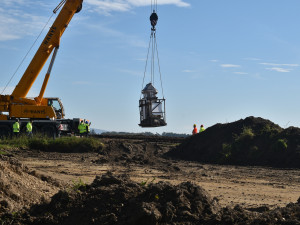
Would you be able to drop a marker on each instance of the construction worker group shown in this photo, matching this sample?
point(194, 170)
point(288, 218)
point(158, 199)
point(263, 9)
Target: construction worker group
point(195, 130)
point(16, 128)
point(84, 128)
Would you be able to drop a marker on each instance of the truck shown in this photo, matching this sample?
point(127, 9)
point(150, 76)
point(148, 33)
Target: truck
point(46, 113)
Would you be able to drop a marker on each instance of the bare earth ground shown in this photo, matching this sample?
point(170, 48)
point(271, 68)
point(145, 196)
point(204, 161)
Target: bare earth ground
point(251, 187)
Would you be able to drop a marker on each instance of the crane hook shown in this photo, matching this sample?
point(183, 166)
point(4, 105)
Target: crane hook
point(153, 20)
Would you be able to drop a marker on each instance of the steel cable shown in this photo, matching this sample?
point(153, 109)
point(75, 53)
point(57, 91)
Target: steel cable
point(159, 70)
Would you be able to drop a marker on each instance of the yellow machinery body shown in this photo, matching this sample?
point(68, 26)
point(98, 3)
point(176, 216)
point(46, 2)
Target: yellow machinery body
point(17, 105)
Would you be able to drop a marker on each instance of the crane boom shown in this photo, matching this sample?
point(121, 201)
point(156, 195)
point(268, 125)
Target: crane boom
point(51, 41)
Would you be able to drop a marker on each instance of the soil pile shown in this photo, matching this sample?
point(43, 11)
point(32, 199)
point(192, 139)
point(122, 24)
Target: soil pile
point(126, 152)
point(118, 200)
point(20, 187)
point(252, 141)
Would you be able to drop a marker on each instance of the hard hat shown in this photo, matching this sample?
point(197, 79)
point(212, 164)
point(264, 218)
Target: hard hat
point(194, 125)
point(86, 122)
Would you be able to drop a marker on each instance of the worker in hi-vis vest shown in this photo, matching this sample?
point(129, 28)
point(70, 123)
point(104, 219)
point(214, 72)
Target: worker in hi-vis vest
point(29, 128)
point(16, 128)
point(201, 129)
point(195, 131)
point(81, 128)
point(87, 127)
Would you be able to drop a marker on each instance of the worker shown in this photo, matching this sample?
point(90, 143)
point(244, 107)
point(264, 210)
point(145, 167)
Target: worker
point(16, 128)
point(29, 128)
point(195, 131)
point(87, 127)
point(201, 129)
point(81, 128)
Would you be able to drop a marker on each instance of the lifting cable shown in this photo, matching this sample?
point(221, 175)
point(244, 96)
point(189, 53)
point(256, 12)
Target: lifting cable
point(153, 45)
point(54, 11)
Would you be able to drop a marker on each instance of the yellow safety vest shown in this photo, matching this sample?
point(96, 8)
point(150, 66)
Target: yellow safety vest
point(16, 127)
point(201, 129)
point(81, 128)
point(29, 127)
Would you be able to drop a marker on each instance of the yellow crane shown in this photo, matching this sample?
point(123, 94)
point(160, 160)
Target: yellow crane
point(47, 113)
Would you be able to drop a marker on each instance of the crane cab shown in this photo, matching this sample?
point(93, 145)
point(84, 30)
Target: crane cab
point(57, 106)
point(152, 109)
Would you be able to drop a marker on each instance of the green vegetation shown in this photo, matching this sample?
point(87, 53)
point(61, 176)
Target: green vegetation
point(164, 134)
point(63, 144)
point(3, 152)
point(14, 142)
point(267, 145)
point(78, 185)
point(144, 183)
point(246, 134)
point(269, 131)
point(281, 145)
point(226, 150)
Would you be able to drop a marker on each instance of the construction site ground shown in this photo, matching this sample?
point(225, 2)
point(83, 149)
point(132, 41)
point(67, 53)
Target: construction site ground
point(143, 160)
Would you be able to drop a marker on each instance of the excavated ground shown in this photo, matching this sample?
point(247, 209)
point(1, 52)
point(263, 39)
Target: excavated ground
point(131, 181)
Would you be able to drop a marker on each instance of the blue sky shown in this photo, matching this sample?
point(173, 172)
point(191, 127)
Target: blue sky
point(220, 60)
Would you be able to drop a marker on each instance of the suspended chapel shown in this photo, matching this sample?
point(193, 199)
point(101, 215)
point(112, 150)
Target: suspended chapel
point(152, 108)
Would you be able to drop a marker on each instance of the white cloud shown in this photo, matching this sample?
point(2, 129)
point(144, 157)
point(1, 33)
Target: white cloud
point(129, 39)
point(258, 76)
point(229, 66)
point(277, 64)
point(279, 69)
point(106, 6)
point(214, 60)
point(252, 59)
point(178, 3)
point(15, 23)
point(240, 73)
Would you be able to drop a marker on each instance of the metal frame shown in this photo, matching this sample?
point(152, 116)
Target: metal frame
point(152, 120)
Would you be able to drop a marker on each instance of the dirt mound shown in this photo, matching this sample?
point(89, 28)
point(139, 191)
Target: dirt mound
point(21, 187)
point(118, 200)
point(126, 152)
point(252, 141)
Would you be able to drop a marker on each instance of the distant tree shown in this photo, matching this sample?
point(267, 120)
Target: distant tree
point(170, 134)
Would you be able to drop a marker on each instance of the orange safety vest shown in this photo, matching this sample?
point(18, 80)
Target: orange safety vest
point(195, 131)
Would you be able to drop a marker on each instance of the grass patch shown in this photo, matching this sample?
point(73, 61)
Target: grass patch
point(78, 185)
point(67, 144)
point(63, 144)
point(280, 145)
point(3, 152)
point(246, 134)
point(14, 142)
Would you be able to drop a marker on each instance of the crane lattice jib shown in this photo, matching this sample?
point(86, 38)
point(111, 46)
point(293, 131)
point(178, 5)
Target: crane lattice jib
point(51, 41)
